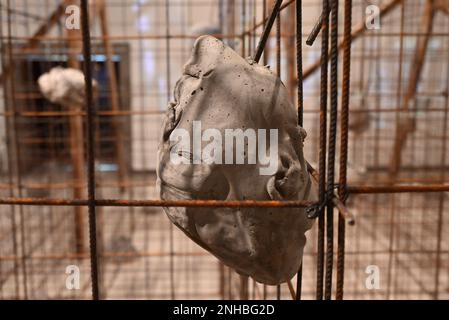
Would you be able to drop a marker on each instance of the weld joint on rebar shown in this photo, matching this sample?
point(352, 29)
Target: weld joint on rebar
point(317, 209)
point(342, 189)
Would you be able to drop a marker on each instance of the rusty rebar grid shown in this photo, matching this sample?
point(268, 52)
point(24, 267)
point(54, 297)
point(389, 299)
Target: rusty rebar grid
point(358, 31)
point(436, 186)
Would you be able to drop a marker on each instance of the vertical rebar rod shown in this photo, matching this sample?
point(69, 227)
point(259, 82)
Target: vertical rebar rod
point(31, 104)
point(90, 111)
point(279, 71)
point(243, 27)
point(231, 22)
point(221, 15)
point(168, 83)
point(299, 62)
point(300, 100)
point(289, 25)
point(251, 31)
point(9, 153)
point(266, 31)
point(264, 15)
point(278, 45)
point(76, 134)
point(331, 149)
point(167, 47)
point(344, 121)
point(440, 221)
point(18, 155)
point(322, 150)
point(254, 32)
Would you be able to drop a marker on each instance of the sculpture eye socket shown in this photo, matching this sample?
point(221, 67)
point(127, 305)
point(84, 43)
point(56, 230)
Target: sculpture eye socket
point(208, 73)
point(185, 154)
point(181, 152)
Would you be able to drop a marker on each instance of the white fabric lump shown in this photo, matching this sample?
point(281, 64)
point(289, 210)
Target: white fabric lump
point(64, 86)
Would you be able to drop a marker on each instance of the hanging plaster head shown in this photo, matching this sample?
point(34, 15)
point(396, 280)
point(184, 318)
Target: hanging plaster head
point(232, 134)
point(64, 86)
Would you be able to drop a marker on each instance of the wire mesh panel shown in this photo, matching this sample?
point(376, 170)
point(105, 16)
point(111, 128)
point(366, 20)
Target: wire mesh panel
point(66, 165)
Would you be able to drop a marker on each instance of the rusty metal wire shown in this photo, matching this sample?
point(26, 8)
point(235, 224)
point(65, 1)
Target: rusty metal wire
point(90, 150)
point(300, 102)
point(331, 153)
point(267, 29)
point(322, 151)
point(344, 145)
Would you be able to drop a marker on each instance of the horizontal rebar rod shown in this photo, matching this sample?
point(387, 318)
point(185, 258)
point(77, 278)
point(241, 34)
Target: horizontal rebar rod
point(138, 254)
point(221, 203)
point(142, 183)
point(155, 203)
point(398, 189)
point(105, 254)
point(122, 113)
point(193, 37)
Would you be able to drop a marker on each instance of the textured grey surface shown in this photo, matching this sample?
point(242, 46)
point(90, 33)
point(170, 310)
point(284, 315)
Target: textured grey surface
point(225, 91)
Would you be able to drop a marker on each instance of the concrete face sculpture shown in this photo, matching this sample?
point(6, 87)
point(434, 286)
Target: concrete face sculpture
point(220, 90)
